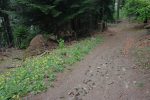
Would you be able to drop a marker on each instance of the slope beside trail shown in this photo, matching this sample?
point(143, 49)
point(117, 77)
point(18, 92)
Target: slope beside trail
point(109, 72)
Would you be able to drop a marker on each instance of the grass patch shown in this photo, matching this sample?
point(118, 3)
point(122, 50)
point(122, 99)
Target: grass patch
point(36, 74)
point(143, 57)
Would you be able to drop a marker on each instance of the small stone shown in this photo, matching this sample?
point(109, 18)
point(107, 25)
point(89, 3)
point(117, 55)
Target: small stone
point(127, 85)
point(110, 83)
point(134, 82)
point(62, 97)
point(71, 94)
point(147, 92)
point(107, 77)
point(124, 69)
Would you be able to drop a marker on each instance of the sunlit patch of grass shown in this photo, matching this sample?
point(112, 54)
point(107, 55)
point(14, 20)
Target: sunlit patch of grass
point(37, 72)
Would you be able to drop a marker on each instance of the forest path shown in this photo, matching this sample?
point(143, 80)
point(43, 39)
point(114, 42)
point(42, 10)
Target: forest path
point(109, 72)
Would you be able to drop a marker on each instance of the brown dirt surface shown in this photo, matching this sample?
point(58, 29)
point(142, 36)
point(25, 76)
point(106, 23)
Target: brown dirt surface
point(10, 58)
point(143, 51)
point(144, 41)
point(109, 72)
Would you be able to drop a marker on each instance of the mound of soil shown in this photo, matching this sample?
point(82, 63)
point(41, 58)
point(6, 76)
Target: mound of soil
point(38, 45)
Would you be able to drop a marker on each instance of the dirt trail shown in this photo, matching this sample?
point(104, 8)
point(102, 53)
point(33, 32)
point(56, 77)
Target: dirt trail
point(107, 73)
point(11, 58)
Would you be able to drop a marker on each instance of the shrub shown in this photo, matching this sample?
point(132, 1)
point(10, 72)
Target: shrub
point(61, 43)
point(23, 35)
point(138, 8)
point(20, 36)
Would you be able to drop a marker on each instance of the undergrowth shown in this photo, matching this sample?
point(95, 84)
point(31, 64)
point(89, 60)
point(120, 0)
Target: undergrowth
point(37, 73)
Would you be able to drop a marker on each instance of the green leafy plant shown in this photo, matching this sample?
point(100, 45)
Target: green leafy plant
point(138, 8)
point(23, 35)
point(20, 35)
point(37, 73)
point(61, 43)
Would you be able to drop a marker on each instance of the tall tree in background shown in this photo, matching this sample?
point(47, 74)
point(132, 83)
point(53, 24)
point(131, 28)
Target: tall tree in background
point(54, 15)
point(77, 17)
point(117, 5)
point(6, 21)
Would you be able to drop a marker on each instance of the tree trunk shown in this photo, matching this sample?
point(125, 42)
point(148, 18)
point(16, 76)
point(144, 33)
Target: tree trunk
point(8, 29)
point(117, 5)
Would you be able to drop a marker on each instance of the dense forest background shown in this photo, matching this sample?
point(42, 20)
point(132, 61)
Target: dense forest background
point(21, 20)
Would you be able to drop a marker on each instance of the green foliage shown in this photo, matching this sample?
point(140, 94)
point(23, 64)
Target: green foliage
point(20, 36)
point(23, 35)
point(52, 15)
point(34, 73)
point(138, 8)
point(55, 16)
point(61, 43)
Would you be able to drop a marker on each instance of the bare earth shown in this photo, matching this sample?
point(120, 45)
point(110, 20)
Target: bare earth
point(109, 72)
